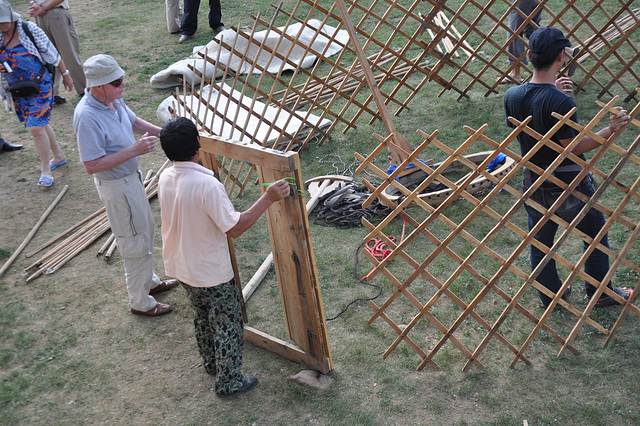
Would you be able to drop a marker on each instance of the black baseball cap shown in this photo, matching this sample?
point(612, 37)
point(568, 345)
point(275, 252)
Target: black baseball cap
point(547, 42)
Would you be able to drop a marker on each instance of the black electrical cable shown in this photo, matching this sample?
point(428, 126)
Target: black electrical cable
point(363, 281)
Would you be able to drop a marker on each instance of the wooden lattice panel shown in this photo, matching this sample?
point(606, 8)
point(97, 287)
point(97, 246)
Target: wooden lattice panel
point(605, 32)
point(483, 270)
point(393, 49)
point(388, 32)
point(334, 92)
point(468, 43)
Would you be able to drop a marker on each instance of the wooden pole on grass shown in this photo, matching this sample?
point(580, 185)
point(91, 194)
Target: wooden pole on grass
point(401, 148)
point(33, 231)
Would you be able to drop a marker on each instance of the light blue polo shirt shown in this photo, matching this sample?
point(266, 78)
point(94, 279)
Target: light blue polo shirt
point(102, 131)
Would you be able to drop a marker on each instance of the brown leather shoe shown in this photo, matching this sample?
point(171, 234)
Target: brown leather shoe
point(159, 309)
point(164, 286)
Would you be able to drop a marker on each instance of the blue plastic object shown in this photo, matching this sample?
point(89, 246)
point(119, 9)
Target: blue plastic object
point(393, 168)
point(496, 161)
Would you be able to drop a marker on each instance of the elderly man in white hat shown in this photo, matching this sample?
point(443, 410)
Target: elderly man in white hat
point(104, 126)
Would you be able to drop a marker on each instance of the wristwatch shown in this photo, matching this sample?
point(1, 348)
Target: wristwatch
point(65, 73)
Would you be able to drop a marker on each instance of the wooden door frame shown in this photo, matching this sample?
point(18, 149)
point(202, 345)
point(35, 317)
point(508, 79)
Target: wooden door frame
point(294, 260)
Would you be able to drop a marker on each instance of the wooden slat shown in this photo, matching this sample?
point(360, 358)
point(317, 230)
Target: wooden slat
point(286, 350)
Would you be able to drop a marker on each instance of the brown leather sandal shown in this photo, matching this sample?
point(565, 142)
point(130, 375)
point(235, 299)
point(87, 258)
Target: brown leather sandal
point(164, 286)
point(159, 309)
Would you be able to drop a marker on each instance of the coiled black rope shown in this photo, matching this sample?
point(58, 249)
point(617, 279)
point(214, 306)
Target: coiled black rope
point(343, 207)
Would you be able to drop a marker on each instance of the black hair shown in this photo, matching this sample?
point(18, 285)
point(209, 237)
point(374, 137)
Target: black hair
point(543, 61)
point(179, 139)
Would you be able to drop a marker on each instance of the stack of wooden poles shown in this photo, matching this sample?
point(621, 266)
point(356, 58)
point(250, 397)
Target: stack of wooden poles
point(442, 21)
point(81, 235)
point(622, 25)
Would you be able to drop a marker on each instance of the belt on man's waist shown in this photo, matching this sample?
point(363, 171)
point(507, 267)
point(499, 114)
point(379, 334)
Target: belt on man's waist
point(114, 182)
point(561, 169)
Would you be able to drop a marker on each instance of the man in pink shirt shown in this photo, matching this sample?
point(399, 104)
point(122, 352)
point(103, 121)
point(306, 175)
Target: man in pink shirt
point(197, 216)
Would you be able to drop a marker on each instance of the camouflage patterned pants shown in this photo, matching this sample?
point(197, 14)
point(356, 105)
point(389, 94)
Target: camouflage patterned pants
point(219, 332)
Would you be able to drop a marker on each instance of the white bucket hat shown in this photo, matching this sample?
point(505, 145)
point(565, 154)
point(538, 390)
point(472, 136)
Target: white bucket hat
point(101, 69)
point(6, 13)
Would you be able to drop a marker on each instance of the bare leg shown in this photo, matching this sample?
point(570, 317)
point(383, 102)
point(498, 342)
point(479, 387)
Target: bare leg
point(44, 146)
point(513, 76)
point(58, 155)
point(41, 140)
point(515, 73)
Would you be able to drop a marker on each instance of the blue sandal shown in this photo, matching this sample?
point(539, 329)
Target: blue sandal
point(53, 165)
point(45, 181)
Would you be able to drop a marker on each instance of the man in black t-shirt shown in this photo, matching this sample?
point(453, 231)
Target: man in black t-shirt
point(539, 99)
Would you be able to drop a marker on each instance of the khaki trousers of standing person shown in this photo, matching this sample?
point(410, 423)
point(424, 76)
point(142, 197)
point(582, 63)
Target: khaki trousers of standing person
point(57, 24)
point(174, 15)
point(132, 223)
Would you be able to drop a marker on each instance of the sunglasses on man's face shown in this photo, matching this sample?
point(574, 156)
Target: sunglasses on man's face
point(118, 82)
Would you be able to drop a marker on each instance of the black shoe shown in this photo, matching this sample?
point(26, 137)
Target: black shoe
point(10, 147)
point(57, 100)
point(218, 30)
point(566, 294)
point(249, 383)
point(210, 369)
point(606, 300)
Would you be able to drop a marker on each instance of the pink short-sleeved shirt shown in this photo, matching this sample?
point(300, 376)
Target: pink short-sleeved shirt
point(196, 214)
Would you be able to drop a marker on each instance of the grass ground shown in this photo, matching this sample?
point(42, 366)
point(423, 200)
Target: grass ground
point(71, 353)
